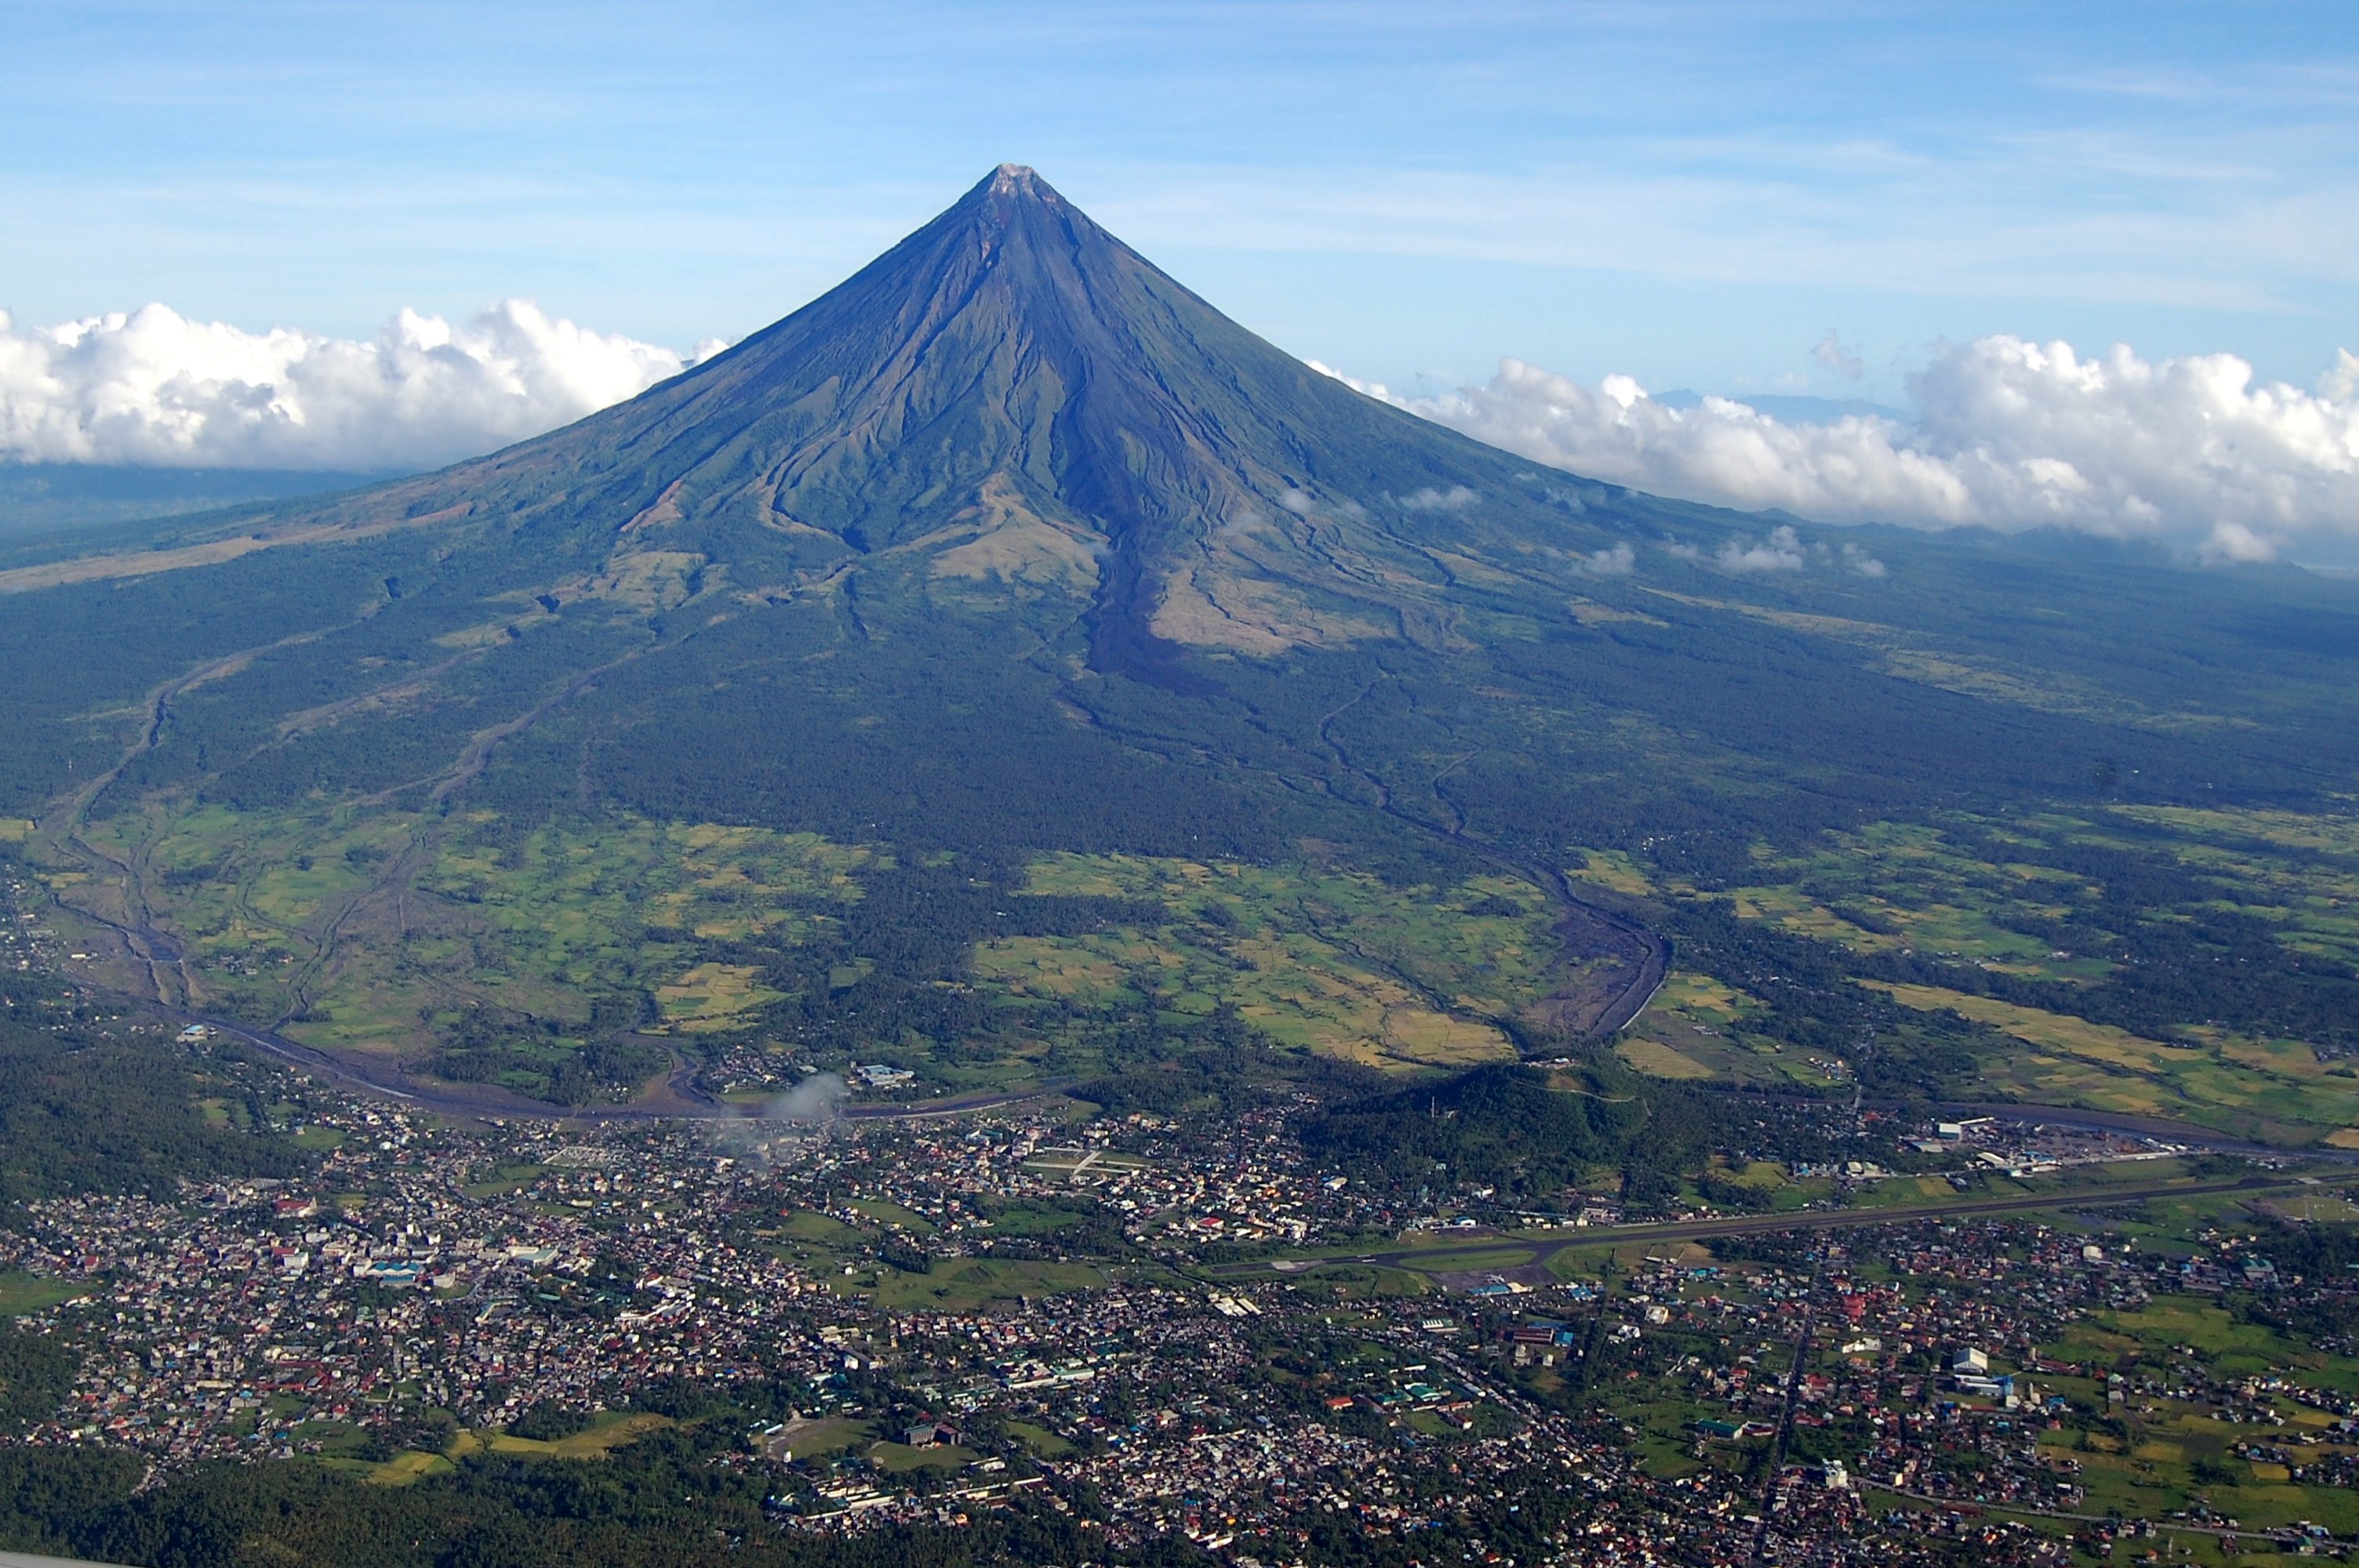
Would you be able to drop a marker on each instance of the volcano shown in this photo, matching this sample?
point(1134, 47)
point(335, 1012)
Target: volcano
point(1017, 397)
point(1008, 661)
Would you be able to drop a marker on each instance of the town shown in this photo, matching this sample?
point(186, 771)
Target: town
point(1175, 1327)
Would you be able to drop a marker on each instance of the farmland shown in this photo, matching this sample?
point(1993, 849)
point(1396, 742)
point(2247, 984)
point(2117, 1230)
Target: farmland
point(535, 939)
point(2148, 960)
point(1324, 961)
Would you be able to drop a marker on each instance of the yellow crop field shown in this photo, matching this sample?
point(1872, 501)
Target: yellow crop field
point(713, 997)
point(1658, 1060)
point(1065, 968)
point(2055, 1031)
point(1612, 870)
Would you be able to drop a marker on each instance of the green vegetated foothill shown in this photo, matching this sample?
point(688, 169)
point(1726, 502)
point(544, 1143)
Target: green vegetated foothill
point(662, 1500)
point(86, 1108)
point(1517, 1130)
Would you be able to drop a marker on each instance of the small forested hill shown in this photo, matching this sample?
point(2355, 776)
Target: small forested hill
point(1501, 1127)
point(1008, 664)
point(84, 1109)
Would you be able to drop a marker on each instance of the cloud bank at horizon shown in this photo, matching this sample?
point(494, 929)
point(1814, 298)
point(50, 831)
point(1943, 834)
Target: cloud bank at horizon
point(151, 387)
point(2187, 452)
point(2009, 434)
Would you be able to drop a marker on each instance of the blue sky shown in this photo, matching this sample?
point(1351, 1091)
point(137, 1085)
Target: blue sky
point(1693, 194)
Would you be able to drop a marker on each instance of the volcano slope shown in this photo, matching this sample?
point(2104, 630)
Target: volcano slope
point(1009, 666)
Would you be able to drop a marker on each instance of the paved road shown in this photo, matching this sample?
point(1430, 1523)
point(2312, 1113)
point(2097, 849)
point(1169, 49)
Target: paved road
point(1793, 1402)
point(1545, 1245)
point(682, 1100)
point(2280, 1536)
point(2162, 1127)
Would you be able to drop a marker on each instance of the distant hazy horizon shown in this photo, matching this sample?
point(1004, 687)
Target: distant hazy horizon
point(2102, 259)
point(1692, 195)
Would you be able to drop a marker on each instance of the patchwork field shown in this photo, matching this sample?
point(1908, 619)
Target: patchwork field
point(2180, 960)
point(1891, 887)
point(1698, 1028)
point(713, 997)
point(276, 909)
point(372, 929)
point(1331, 962)
point(367, 928)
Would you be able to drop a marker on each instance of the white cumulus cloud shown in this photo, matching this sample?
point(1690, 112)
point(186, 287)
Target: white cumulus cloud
point(1830, 351)
point(1457, 498)
point(2011, 434)
point(153, 387)
point(1780, 552)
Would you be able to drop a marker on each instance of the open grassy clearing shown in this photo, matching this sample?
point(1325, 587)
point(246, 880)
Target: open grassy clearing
point(1366, 1281)
point(1444, 1260)
point(1658, 1060)
point(812, 1436)
point(965, 1284)
point(1614, 870)
point(1033, 1220)
point(1043, 1444)
point(806, 1225)
point(1696, 1029)
point(406, 1469)
point(608, 1433)
point(900, 1459)
point(888, 1213)
point(22, 1294)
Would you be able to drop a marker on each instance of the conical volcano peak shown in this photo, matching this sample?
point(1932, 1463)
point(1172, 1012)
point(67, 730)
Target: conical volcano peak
point(1005, 194)
point(1011, 395)
point(1019, 179)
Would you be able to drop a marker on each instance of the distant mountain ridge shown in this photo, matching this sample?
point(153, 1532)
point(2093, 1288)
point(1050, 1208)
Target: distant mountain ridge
point(41, 498)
